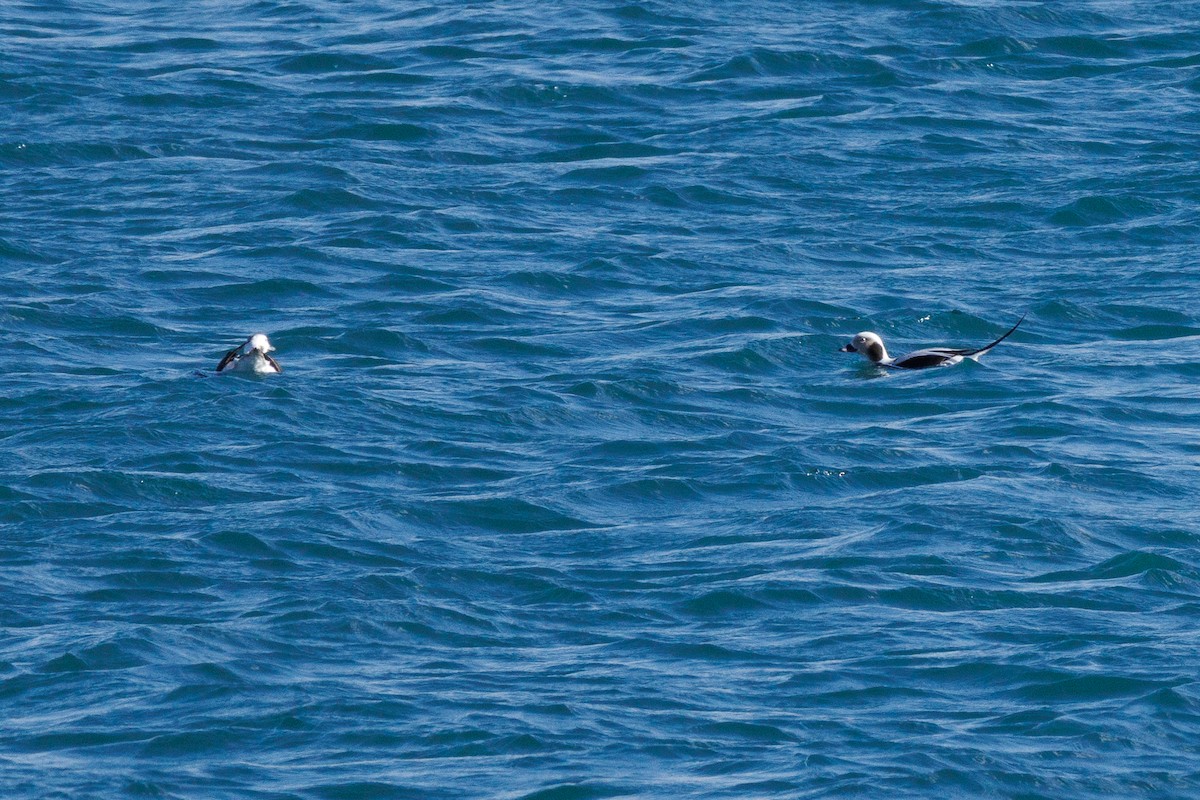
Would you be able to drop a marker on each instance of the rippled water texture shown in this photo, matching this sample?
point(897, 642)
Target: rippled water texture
point(565, 491)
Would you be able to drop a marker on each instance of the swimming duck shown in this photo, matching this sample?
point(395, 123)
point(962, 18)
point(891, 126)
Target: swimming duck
point(871, 346)
point(251, 357)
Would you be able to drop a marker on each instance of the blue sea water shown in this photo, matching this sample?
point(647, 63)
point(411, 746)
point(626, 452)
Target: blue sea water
point(565, 491)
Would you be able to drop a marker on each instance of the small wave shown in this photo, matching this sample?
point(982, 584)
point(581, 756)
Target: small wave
point(1101, 210)
point(330, 200)
point(177, 44)
point(741, 360)
point(623, 173)
point(1125, 565)
point(70, 153)
point(507, 346)
point(383, 132)
point(605, 150)
point(721, 603)
point(1152, 333)
point(277, 289)
point(507, 515)
point(578, 791)
point(332, 62)
point(994, 47)
point(1086, 689)
point(21, 252)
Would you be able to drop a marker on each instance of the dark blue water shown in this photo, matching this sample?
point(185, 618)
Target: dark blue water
point(565, 491)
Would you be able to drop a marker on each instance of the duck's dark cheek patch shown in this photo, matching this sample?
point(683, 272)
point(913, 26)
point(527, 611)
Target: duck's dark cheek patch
point(875, 352)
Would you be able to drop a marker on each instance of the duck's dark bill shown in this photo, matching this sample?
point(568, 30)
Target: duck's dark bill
point(848, 349)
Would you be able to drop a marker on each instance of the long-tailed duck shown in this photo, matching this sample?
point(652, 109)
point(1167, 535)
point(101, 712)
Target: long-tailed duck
point(871, 346)
point(251, 357)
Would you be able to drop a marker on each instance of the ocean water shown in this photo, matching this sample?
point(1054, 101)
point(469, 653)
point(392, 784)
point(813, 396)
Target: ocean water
point(565, 491)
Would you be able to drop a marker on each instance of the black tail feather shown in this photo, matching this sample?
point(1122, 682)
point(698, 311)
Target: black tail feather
point(984, 349)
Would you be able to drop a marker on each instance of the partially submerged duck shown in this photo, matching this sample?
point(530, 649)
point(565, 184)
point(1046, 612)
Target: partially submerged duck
point(871, 347)
point(251, 357)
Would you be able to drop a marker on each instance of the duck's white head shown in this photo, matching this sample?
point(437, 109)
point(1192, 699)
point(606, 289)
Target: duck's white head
point(869, 344)
point(259, 341)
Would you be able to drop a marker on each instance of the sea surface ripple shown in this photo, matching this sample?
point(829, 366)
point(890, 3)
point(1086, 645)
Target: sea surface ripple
point(565, 491)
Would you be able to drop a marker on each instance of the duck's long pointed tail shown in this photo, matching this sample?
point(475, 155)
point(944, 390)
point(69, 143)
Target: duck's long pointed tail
point(982, 350)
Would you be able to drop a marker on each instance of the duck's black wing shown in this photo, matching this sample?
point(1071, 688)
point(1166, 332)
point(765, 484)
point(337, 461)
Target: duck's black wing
point(228, 359)
point(232, 354)
point(924, 359)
